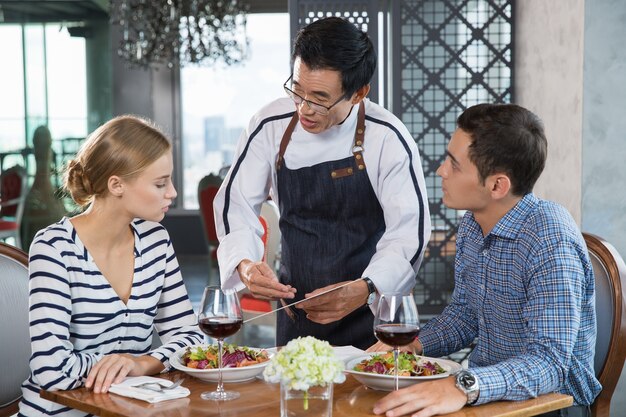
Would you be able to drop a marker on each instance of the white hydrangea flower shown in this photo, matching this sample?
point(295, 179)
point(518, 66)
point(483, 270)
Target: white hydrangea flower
point(305, 362)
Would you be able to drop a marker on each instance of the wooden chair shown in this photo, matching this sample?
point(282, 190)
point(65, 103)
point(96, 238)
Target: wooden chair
point(12, 199)
point(15, 347)
point(610, 275)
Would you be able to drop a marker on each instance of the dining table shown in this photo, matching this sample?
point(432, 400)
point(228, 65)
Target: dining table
point(262, 399)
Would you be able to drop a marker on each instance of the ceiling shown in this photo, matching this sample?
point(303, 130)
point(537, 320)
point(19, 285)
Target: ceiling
point(39, 11)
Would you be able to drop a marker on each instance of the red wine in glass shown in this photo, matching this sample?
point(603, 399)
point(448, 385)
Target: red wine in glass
point(396, 334)
point(219, 327)
point(396, 323)
point(220, 316)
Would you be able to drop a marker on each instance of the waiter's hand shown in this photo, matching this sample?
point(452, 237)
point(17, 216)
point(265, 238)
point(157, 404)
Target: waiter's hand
point(335, 305)
point(259, 278)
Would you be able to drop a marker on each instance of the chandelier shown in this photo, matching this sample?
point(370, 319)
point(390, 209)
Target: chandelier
point(181, 32)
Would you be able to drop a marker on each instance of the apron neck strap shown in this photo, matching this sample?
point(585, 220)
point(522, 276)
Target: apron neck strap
point(285, 140)
point(359, 138)
point(357, 149)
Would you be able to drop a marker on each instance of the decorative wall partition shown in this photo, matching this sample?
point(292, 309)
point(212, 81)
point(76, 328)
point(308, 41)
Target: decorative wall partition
point(436, 58)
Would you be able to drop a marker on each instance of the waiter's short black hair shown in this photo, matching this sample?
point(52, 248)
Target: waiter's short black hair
point(506, 138)
point(335, 43)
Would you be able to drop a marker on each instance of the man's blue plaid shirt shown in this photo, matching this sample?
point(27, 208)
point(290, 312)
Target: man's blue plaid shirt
point(526, 290)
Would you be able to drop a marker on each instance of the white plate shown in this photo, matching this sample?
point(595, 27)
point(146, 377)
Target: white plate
point(387, 382)
point(229, 375)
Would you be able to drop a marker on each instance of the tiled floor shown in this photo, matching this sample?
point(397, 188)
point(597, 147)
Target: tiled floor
point(195, 270)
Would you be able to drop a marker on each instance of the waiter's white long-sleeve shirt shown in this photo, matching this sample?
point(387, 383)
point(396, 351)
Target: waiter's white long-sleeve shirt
point(393, 166)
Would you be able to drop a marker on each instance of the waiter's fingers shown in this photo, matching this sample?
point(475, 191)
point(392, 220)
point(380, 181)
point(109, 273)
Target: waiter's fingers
point(265, 270)
point(326, 301)
point(322, 303)
point(264, 287)
point(262, 282)
point(325, 317)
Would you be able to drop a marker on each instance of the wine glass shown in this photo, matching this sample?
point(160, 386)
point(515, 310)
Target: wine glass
point(219, 317)
point(396, 323)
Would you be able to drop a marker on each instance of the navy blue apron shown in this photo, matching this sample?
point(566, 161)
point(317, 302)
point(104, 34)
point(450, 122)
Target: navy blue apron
point(330, 222)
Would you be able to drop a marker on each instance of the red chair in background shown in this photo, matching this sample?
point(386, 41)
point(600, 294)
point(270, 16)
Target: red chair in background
point(271, 242)
point(207, 189)
point(12, 198)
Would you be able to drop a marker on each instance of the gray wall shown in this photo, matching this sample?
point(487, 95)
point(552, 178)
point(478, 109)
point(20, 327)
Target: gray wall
point(549, 82)
point(571, 71)
point(604, 122)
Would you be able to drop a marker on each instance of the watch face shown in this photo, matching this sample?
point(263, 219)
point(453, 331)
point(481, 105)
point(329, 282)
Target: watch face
point(371, 298)
point(466, 379)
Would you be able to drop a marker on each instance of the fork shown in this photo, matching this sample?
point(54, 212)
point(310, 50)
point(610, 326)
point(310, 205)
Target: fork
point(157, 387)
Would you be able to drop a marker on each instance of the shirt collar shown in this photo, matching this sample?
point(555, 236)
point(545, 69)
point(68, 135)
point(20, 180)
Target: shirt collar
point(67, 224)
point(513, 221)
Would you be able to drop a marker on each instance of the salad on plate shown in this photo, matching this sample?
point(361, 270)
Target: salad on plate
point(233, 356)
point(409, 364)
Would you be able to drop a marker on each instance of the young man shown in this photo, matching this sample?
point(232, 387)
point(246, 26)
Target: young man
point(347, 177)
point(524, 286)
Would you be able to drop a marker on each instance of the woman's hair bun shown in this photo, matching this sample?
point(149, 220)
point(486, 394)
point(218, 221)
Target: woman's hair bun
point(77, 183)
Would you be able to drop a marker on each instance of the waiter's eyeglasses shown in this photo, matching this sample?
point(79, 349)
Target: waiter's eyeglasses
point(316, 107)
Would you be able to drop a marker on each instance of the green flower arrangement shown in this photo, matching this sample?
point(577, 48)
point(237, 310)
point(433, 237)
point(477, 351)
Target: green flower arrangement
point(303, 363)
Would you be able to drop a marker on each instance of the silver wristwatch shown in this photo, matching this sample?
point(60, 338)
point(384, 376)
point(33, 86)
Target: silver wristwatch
point(467, 382)
point(372, 291)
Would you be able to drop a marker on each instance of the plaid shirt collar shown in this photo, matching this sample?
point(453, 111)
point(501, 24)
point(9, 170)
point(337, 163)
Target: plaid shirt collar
point(509, 226)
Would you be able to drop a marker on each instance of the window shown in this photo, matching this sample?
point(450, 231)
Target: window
point(218, 102)
point(12, 86)
point(43, 82)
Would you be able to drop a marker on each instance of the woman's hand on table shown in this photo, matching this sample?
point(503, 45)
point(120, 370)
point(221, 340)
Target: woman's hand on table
point(262, 282)
point(112, 369)
point(426, 399)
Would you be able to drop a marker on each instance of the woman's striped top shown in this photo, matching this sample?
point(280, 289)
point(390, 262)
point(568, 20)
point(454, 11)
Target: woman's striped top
point(76, 317)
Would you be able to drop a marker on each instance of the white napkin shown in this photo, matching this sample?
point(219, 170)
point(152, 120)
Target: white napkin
point(128, 388)
point(346, 352)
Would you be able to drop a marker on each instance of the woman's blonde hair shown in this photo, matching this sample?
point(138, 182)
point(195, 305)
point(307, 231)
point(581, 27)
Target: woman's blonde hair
point(123, 146)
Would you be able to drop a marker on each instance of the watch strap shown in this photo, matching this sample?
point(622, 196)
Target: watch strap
point(371, 289)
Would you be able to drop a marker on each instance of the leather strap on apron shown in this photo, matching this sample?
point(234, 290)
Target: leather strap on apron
point(357, 148)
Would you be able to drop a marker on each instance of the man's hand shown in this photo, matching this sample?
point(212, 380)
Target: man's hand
point(262, 282)
point(426, 399)
point(335, 305)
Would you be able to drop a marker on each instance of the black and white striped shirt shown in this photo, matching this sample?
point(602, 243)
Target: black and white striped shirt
point(76, 317)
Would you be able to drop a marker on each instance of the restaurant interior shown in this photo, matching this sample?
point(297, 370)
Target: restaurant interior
point(68, 66)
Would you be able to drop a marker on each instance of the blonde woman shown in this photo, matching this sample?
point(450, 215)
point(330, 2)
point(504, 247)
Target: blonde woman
point(102, 280)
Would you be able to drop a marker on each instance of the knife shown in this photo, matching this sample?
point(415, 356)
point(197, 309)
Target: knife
point(303, 300)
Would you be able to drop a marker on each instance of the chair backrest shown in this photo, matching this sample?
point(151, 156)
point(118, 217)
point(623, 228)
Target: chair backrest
point(207, 189)
point(13, 192)
point(15, 347)
point(610, 278)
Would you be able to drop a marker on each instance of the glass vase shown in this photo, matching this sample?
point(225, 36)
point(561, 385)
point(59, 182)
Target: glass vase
point(316, 401)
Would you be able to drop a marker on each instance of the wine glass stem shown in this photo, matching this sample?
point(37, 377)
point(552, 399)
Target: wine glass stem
point(220, 385)
point(395, 360)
